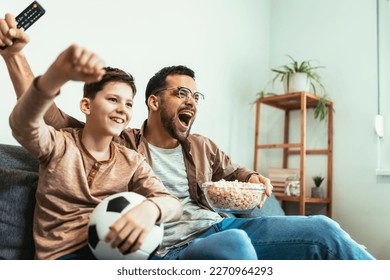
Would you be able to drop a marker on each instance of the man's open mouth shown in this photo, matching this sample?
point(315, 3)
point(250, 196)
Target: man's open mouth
point(185, 117)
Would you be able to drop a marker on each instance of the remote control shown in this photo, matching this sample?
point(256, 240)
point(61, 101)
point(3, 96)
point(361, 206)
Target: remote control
point(29, 15)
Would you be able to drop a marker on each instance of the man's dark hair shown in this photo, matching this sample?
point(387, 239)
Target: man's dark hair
point(158, 81)
point(111, 75)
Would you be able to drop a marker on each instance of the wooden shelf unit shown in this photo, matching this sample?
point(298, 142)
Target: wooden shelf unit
point(292, 102)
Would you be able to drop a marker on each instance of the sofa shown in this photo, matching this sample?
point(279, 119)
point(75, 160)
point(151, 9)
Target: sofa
point(18, 183)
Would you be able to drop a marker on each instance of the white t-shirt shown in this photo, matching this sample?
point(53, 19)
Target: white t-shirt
point(168, 165)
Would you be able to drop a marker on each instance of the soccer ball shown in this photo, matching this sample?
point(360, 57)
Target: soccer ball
point(105, 214)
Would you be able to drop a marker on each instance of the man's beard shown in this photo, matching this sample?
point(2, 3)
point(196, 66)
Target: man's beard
point(168, 123)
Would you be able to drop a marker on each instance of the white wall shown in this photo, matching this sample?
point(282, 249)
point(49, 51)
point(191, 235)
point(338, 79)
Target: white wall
point(341, 35)
point(224, 41)
point(384, 99)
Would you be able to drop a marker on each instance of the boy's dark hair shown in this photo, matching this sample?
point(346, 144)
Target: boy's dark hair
point(111, 75)
point(158, 81)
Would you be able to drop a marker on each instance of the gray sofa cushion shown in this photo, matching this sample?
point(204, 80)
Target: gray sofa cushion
point(18, 182)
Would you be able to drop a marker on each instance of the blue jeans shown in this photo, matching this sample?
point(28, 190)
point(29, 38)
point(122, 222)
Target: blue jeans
point(272, 238)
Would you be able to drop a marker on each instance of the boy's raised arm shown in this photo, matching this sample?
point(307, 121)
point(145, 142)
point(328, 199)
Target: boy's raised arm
point(27, 118)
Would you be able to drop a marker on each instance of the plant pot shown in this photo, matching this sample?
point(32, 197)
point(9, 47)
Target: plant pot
point(297, 82)
point(317, 192)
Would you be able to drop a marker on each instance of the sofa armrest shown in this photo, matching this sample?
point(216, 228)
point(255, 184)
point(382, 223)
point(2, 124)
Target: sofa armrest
point(18, 182)
point(16, 157)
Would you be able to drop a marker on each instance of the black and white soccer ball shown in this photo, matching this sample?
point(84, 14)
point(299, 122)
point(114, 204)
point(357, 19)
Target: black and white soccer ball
point(105, 214)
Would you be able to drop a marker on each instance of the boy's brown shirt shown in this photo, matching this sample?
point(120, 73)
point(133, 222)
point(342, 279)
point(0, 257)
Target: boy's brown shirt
point(71, 182)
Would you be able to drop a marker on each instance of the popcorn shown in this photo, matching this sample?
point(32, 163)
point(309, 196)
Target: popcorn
point(233, 196)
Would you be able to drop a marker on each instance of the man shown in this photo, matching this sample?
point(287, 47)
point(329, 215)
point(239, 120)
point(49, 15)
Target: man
point(183, 161)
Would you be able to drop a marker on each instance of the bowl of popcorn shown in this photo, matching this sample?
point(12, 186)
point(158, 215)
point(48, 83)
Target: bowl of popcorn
point(233, 196)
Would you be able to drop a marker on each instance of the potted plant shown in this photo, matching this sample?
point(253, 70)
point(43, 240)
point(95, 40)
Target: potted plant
point(317, 191)
point(302, 76)
point(298, 76)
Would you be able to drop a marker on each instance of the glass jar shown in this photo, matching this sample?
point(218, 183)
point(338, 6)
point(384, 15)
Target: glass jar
point(293, 186)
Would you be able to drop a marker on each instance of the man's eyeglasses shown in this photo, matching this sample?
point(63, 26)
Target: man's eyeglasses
point(185, 93)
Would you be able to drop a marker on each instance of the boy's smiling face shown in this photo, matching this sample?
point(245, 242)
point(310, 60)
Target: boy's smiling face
point(110, 111)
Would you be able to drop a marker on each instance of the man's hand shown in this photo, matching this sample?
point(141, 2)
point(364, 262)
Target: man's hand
point(130, 230)
point(268, 186)
point(15, 39)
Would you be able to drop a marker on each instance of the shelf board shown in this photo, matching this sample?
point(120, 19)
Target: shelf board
point(291, 101)
point(283, 197)
point(309, 152)
point(316, 200)
point(276, 146)
point(294, 152)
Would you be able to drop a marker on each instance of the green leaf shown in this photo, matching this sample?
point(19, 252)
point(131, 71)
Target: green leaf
point(318, 180)
point(321, 110)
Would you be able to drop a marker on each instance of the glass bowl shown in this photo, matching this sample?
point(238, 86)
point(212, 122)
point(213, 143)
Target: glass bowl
point(233, 197)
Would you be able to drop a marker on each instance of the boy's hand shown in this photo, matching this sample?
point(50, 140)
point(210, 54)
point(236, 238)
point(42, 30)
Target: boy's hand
point(73, 64)
point(130, 230)
point(15, 39)
point(79, 64)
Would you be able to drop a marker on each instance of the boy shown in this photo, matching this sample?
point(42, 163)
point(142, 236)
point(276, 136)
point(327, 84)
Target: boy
point(80, 167)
